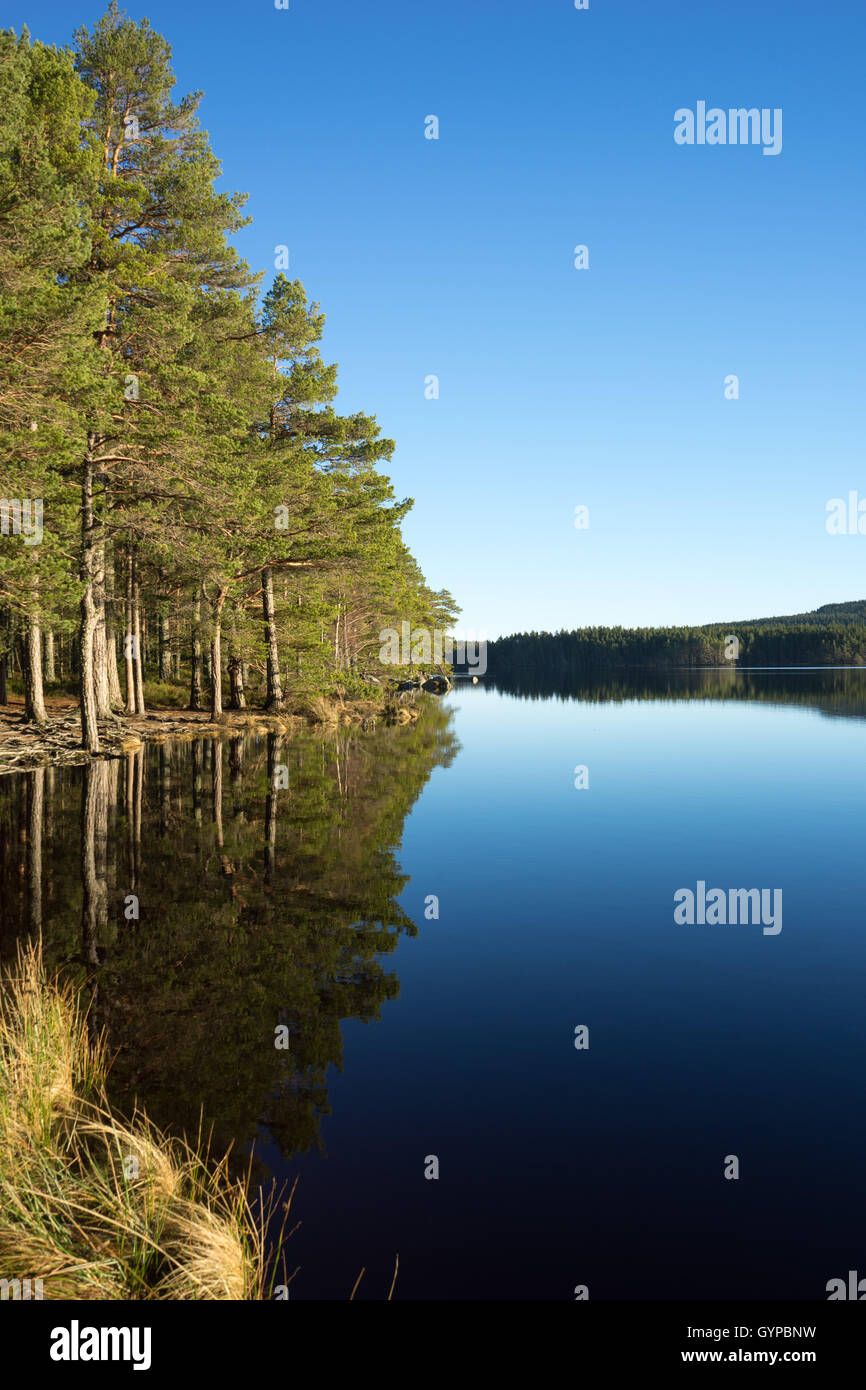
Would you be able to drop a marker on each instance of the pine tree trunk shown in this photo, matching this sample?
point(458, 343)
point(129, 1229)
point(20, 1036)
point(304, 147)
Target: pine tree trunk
point(139, 650)
point(5, 630)
point(216, 700)
point(274, 697)
point(164, 649)
point(128, 658)
point(50, 676)
point(34, 654)
point(237, 699)
point(100, 640)
point(30, 656)
point(88, 613)
point(195, 677)
point(115, 694)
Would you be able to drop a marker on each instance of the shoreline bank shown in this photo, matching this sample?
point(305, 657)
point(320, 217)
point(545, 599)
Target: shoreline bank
point(25, 745)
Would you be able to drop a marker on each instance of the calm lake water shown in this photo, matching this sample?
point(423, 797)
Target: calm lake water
point(453, 1036)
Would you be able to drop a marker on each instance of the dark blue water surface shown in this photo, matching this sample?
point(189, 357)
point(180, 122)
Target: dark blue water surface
point(605, 1167)
point(415, 1036)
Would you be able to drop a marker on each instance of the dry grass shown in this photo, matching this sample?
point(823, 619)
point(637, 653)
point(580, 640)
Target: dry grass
point(319, 709)
point(97, 1207)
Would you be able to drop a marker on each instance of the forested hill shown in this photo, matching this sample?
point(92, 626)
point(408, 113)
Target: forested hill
point(833, 635)
point(853, 612)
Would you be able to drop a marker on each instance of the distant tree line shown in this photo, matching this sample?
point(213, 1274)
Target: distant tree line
point(179, 499)
point(831, 636)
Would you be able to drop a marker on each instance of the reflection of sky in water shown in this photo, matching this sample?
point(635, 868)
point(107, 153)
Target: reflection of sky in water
point(556, 908)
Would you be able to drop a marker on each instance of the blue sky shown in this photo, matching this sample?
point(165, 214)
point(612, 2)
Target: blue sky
point(558, 387)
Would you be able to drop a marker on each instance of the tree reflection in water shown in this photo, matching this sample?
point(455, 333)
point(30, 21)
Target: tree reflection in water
point(268, 896)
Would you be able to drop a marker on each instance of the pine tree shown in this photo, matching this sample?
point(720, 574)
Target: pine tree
point(168, 275)
point(197, 479)
point(46, 177)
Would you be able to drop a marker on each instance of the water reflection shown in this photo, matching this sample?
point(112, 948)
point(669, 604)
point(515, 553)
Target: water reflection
point(206, 893)
point(831, 690)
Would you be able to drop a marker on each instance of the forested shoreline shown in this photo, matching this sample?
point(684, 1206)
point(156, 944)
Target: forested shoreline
point(834, 635)
point(181, 504)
